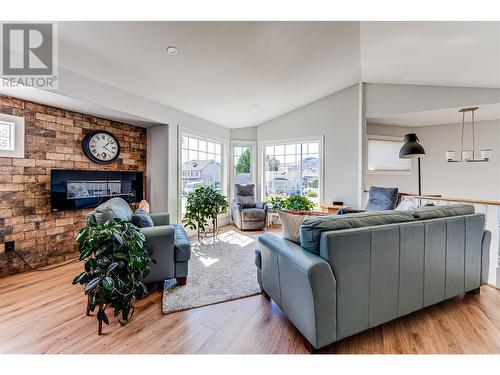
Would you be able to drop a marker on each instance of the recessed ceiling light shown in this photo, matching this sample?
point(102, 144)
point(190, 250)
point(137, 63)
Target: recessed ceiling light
point(172, 50)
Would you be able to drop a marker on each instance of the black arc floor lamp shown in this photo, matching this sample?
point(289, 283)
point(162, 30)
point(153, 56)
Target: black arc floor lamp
point(413, 149)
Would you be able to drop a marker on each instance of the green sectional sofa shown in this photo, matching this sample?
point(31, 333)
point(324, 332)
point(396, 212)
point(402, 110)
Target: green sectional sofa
point(357, 271)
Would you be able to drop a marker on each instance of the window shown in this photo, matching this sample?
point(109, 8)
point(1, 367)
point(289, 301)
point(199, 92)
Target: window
point(292, 168)
point(11, 136)
point(201, 165)
point(383, 156)
point(242, 164)
point(6, 136)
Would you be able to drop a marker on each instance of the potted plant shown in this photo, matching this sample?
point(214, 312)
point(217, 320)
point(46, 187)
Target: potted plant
point(297, 203)
point(275, 202)
point(279, 202)
point(292, 211)
point(203, 205)
point(115, 263)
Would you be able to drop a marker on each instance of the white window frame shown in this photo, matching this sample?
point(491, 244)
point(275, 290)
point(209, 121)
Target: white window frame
point(385, 172)
point(17, 135)
point(253, 163)
point(187, 132)
point(321, 153)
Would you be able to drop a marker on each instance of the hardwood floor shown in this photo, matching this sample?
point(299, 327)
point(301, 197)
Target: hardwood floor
point(41, 312)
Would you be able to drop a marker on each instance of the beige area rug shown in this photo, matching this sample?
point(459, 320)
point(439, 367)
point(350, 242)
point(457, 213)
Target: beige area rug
point(220, 270)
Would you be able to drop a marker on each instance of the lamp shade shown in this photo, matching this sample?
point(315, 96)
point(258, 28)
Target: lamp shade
point(411, 148)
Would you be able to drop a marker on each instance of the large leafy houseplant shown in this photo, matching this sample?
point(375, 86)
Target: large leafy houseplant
point(115, 263)
point(202, 206)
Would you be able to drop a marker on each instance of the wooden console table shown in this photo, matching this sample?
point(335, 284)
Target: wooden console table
point(332, 208)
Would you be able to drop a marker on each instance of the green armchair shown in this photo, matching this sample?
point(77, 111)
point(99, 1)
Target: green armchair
point(168, 244)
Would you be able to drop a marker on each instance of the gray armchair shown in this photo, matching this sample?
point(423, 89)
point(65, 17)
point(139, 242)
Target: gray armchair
point(168, 244)
point(379, 199)
point(246, 213)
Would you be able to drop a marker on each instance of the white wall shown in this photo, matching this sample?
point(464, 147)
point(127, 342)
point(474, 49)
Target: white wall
point(384, 99)
point(157, 168)
point(407, 183)
point(337, 117)
point(244, 134)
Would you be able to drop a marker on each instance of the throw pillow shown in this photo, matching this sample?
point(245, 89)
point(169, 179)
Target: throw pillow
point(144, 205)
point(292, 220)
point(141, 219)
point(406, 205)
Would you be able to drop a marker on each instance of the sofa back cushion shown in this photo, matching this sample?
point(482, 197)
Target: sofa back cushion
point(380, 199)
point(434, 212)
point(312, 228)
point(245, 195)
point(114, 208)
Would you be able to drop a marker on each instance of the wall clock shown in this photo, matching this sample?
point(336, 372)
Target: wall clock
point(101, 146)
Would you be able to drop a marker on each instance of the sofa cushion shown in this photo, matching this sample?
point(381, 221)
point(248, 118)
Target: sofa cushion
point(114, 208)
point(245, 201)
point(244, 190)
point(311, 228)
point(182, 244)
point(245, 195)
point(253, 214)
point(141, 219)
point(434, 212)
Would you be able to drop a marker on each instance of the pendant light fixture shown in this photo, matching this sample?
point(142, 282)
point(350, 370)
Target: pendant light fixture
point(468, 155)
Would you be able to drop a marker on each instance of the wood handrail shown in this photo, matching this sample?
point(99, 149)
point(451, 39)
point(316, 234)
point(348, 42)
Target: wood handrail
point(448, 199)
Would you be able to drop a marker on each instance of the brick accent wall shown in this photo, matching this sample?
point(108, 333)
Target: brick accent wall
point(53, 139)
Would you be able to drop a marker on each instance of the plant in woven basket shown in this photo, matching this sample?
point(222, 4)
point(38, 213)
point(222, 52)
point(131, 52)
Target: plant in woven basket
point(297, 202)
point(203, 205)
point(275, 201)
point(115, 263)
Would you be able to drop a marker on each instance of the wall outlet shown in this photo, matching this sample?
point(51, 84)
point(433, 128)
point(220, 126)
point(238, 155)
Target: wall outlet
point(9, 246)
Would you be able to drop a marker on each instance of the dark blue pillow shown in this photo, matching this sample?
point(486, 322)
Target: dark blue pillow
point(141, 219)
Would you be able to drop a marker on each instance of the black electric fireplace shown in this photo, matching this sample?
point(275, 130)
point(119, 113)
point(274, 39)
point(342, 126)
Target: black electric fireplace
point(75, 189)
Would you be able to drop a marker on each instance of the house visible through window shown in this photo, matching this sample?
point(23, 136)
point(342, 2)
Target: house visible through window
point(383, 156)
point(201, 165)
point(291, 169)
point(6, 136)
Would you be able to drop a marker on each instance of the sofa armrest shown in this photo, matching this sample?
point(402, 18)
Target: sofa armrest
point(160, 218)
point(303, 285)
point(160, 245)
point(485, 256)
point(236, 206)
point(236, 213)
point(261, 205)
point(344, 211)
point(166, 231)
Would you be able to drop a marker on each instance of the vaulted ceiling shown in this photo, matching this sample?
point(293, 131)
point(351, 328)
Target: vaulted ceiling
point(239, 74)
